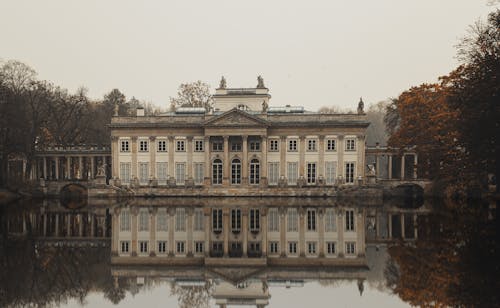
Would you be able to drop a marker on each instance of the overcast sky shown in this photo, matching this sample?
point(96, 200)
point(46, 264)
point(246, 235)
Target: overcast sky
point(311, 53)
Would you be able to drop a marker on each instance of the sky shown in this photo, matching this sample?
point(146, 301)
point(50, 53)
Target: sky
point(310, 53)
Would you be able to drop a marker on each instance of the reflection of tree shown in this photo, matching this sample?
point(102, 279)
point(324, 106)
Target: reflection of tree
point(193, 296)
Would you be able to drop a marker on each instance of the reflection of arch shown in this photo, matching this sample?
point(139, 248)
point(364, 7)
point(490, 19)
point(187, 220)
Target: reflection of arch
point(236, 171)
point(254, 171)
point(217, 171)
point(73, 196)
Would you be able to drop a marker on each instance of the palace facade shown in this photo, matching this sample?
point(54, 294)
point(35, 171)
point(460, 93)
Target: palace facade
point(242, 142)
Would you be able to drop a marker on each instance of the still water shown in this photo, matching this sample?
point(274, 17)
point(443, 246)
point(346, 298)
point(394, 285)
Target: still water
point(269, 252)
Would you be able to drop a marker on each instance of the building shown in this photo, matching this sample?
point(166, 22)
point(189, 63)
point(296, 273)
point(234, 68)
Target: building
point(242, 142)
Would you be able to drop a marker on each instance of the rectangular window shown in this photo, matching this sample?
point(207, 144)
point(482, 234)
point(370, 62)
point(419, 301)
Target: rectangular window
point(274, 145)
point(330, 172)
point(349, 173)
point(199, 173)
point(254, 145)
point(292, 248)
point(217, 220)
point(292, 145)
point(273, 247)
point(235, 220)
point(199, 146)
point(331, 145)
point(330, 248)
point(143, 220)
point(311, 145)
point(273, 173)
point(180, 146)
point(350, 144)
point(330, 220)
point(125, 172)
point(162, 221)
point(254, 220)
point(292, 173)
point(198, 247)
point(292, 220)
point(198, 220)
point(162, 146)
point(125, 221)
point(311, 248)
point(143, 146)
point(218, 146)
point(350, 248)
point(125, 246)
point(143, 247)
point(180, 219)
point(273, 220)
point(124, 146)
point(143, 173)
point(162, 247)
point(181, 247)
point(311, 220)
point(349, 220)
point(180, 173)
point(311, 173)
point(162, 171)
point(235, 147)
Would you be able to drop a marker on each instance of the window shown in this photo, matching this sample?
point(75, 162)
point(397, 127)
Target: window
point(143, 220)
point(311, 248)
point(217, 172)
point(330, 248)
point(198, 146)
point(311, 145)
point(180, 219)
point(217, 220)
point(198, 247)
point(162, 145)
point(273, 173)
point(161, 171)
point(330, 220)
point(273, 220)
point(162, 221)
point(124, 146)
point(143, 247)
point(125, 220)
point(235, 146)
point(125, 172)
point(273, 247)
point(180, 173)
point(350, 144)
point(236, 171)
point(292, 145)
point(218, 146)
point(311, 173)
point(331, 145)
point(180, 146)
point(143, 146)
point(198, 220)
point(292, 248)
point(236, 220)
point(349, 220)
point(254, 145)
point(162, 247)
point(199, 173)
point(292, 173)
point(330, 172)
point(254, 171)
point(311, 220)
point(350, 248)
point(292, 220)
point(349, 173)
point(274, 145)
point(254, 220)
point(125, 246)
point(181, 247)
point(143, 173)
point(254, 248)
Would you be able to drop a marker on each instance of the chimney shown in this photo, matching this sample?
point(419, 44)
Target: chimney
point(140, 112)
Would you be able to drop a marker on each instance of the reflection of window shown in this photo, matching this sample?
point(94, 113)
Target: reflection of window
point(180, 219)
point(330, 220)
point(273, 247)
point(125, 220)
point(143, 246)
point(217, 220)
point(292, 220)
point(235, 220)
point(349, 220)
point(311, 220)
point(125, 246)
point(330, 248)
point(311, 248)
point(217, 172)
point(254, 220)
point(181, 247)
point(350, 248)
point(143, 220)
point(162, 247)
point(292, 248)
point(161, 221)
point(198, 247)
point(236, 171)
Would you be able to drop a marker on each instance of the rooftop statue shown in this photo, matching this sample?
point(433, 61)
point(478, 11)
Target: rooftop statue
point(222, 84)
point(264, 106)
point(361, 106)
point(260, 82)
point(116, 110)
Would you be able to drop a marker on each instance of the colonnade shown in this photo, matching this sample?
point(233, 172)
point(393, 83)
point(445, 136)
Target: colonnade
point(69, 167)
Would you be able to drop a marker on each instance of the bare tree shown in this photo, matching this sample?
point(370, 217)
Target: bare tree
point(194, 94)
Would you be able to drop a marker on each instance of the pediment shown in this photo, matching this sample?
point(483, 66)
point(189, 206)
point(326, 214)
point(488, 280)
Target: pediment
point(235, 275)
point(236, 118)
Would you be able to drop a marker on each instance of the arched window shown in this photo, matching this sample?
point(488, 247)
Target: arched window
point(236, 171)
point(254, 171)
point(217, 172)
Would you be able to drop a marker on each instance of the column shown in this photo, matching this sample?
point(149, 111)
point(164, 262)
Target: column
point(415, 226)
point(56, 159)
point(340, 157)
point(189, 149)
point(92, 226)
point(134, 212)
point(152, 157)
point(225, 230)
point(402, 217)
point(302, 155)
point(206, 212)
point(244, 229)
point(321, 232)
point(152, 230)
point(68, 167)
point(244, 161)
point(377, 165)
point(171, 229)
point(80, 225)
point(340, 233)
point(80, 167)
point(389, 215)
point(389, 165)
point(189, 230)
point(402, 167)
point(321, 157)
point(92, 167)
point(133, 168)
point(208, 162)
point(225, 176)
point(263, 164)
point(283, 156)
point(45, 224)
point(57, 225)
point(360, 233)
point(302, 235)
point(115, 172)
point(45, 176)
point(415, 163)
point(282, 212)
point(264, 231)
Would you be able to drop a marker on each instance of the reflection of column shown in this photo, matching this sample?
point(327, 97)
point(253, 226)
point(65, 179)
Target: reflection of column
point(57, 225)
point(152, 230)
point(134, 212)
point(402, 217)
point(45, 168)
point(415, 162)
point(190, 212)
point(264, 161)
point(377, 165)
point(302, 155)
point(360, 232)
point(244, 162)
point(92, 225)
point(206, 213)
point(152, 156)
point(402, 167)
point(282, 212)
point(45, 224)
point(68, 167)
point(340, 232)
point(56, 159)
point(415, 226)
point(302, 244)
point(225, 230)
point(80, 167)
point(92, 166)
point(264, 232)
point(171, 243)
point(80, 225)
point(225, 169)
point(114, 230)
point(244, 229)
point(390, 225)
point(68, 225)
point(321, 232)
point(389, 166)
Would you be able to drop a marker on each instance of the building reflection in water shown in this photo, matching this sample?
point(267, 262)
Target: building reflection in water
point(230, 250)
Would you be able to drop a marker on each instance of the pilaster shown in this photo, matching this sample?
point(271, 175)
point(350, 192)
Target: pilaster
point(152, 157)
